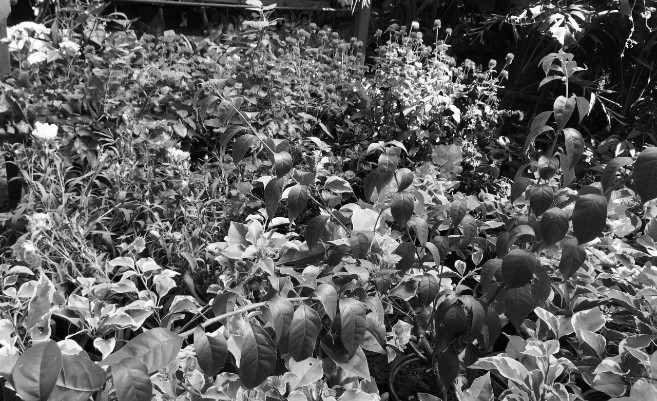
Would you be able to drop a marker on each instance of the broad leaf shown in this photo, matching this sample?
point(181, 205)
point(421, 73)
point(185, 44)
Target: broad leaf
point(356, 364)
point(404, 178)
point(518, 187)
point(315, 229)
point(401, 207)
point(645, 175)
point(427, 289)
point(78, 379)
point(563, 110)
point(387, 166)
point(554, 225)
point(508, 367)
point(518, 305)
point(540, 198)
point(535, 132)
point(328, 296)
point(518, 268)
point(278, 315)
point(589, 217)
point(156, 348)
point(224, 302)
point(448, 366)
point(273, 193)
point(241, 146)
point(407, 252)
point(353, 323)
point(36, 371)
point(609, 173)
point(131, 380)
point(573, 256)
point(211, 351)
point(304, 330)
point(258, 358)
point(307, 372)
point(297, 200)
point(360, 245)
point(282, 163)
point(574, 151)
point(457, 211)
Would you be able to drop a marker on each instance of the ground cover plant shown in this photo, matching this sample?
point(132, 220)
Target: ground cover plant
point(263, 217)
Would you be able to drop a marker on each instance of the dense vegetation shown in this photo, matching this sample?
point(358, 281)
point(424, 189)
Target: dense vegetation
point(281, 213)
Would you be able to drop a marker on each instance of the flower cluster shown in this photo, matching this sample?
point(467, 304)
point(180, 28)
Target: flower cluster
point(69, 48)
point(177, 156)
point(44, 132)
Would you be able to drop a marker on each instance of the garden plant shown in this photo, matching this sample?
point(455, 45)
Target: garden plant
point(277, 215)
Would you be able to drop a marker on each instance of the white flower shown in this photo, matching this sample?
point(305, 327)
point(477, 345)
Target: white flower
point(37, 58)
point(44, 132)
point(69, 48)
point(415, 25)
point(177, 155)
point(39, 222)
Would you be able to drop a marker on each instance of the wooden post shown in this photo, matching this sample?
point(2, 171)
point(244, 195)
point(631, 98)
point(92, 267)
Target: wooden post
point(5, 9)
point(362, 25)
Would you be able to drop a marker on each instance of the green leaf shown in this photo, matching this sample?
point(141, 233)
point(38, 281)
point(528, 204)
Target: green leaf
point(540, 198)
point(457, 211)
point(241, 146)
point(554, 225)
point(574, 151)
point(387, 166)
point(518, 268)
point(307, 371)
point(278, 315)
point(420, 230)
point(535, 132)
point(407, 252)
point(258, 358)
point(480, 390)
point(404, 178)
point(131, 380)
point(518, 187)
point(583, 107)
point(519, 304)
point(541, 286)
point(273, 193)
point(337, 185)
point(645, 175)
point(609, 173)
point(353, 323)
point(405, 290)
point(427, 289)
point(356, 364)
point(508, 367)
point(78, 379)
point(563, 110)
point(547, 167)
point(156, 348)
point(282, 163)
point(488, 271)
point(374, 180)
point(297, 200)
point(211, 351)
point(360, 245)
point(401, 207)
point(328, 296)
point(315, 229)
point(448, 366)
point(455, 320)
point(224, 303)
point(304, 330)
point(469, 229)
point(36, 371)
point(589, 217)
point(573, 256)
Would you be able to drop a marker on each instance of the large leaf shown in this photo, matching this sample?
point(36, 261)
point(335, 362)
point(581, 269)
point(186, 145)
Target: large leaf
point(387, 166)
point(211, 351)
point(360, 245)
point(353, 323)
point(609, 173)
point(328, 296)
point(224, 302)
point(518, 268)
point(258, 358)
point(448, 366)
point(404, 178)
point(589, 217)
point(644, 175)
point(574, 151)
point(307, 372)
point(540, 198)
point(518, 305)
point(518, 187)
point(534, 133)
point(407, 252)
point(278, 315)
point(554, 225)
point(428, 288)
point(282, 163)
point(241, 146)
point(480, 390)
point(36, 371)
point(78, 379)
point(457, 211)
point(303, 332)
point(156, 348)
point(508, 367)
point(297, 200)
point(563, 110)
point(273, 193)
point(315, 229)
point(573, 256)
point(401, 207)
point(356, 364)
point(131, 380)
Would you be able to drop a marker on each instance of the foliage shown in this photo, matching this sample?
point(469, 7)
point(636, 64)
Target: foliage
point(256, 217)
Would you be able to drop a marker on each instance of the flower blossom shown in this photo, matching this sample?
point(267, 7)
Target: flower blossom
point(69, 48)
point(44, 131)
point(177, 155)
point(37, 58)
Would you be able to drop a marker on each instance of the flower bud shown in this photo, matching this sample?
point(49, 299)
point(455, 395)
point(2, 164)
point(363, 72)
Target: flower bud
point(509, 58)
point(492, 64)
point(437, 24)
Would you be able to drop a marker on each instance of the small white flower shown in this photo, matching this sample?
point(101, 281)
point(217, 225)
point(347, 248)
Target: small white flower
point(44, 132)
point(69, 48)
point(415, 25)
point(177, 155)
point(37, 58)
point(39, 222)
